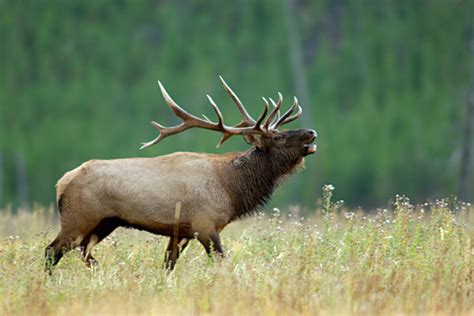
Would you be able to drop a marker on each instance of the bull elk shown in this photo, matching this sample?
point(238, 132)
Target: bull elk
point(214, 190)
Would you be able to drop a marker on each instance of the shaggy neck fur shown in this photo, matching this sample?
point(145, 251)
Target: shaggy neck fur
point(253, 176)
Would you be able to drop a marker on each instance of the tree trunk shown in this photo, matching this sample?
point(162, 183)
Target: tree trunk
point(21, 180)
point(466, 158)
point(297, 62)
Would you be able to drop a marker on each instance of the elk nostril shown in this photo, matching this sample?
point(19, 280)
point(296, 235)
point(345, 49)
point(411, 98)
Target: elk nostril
point(312, 132)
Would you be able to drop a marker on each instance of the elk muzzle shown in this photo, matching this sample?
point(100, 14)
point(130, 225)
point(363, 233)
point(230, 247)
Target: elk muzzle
point(310, 137)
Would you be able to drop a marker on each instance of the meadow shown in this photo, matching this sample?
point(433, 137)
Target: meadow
point(403, 260)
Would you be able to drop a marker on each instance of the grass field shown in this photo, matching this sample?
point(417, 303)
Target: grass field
point(406, 260)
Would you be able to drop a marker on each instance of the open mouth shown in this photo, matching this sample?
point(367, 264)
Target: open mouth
point(309, 149)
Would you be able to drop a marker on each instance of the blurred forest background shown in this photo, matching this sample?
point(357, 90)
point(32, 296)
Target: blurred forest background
point(385, 83)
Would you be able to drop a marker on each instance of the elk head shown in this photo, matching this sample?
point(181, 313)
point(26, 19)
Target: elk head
point(263, 132)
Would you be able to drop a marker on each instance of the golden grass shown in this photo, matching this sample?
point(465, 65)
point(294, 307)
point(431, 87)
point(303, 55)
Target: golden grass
point(411, 261)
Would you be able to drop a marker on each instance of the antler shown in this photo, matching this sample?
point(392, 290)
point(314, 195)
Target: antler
point(247, 126)
point(189, 121)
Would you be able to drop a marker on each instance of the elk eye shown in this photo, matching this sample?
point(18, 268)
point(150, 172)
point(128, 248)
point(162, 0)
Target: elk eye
point(277, 138)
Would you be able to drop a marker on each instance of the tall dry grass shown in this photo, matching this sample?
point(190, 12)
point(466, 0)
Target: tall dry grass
point(409, 260)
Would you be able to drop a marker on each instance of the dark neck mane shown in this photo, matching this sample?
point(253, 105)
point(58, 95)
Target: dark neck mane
point(253, 176)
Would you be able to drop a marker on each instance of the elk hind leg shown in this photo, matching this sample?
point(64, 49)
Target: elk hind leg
point(55, 251)
point(102, 230)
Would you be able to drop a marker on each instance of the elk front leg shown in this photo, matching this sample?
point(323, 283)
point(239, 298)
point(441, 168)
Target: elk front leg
point(170, 261)
point(212, 243)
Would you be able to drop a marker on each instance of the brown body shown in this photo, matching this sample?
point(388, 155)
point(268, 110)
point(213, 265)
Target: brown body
point(142, 193)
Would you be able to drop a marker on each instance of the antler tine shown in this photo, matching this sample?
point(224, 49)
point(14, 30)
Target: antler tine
point(258, 124)
point(293, 117)
point(148, 144)
point(276, 110)
point(286, 118)
point(173, 105)
point(277, 117)
point(248, 120)
point(218, 112)
point(225, 136)
point(164, 132)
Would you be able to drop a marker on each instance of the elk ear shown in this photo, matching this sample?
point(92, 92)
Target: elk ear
point(253, 139)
